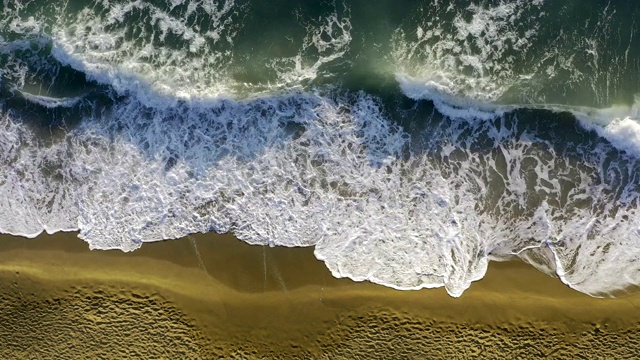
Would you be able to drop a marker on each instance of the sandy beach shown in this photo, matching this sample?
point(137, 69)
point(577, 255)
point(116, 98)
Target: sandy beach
point(212, 296)
point(408, 141)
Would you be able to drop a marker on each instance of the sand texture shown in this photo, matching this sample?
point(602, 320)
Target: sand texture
point(95, 322)
point(212, 296)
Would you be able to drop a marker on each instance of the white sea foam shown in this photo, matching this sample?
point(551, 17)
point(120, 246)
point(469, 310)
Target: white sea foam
point(315, 168)
point(51, 102)
point(478, 58)
point(101, 45)
point(447, 101)
point(592, 227)
point(234, 167)
point(497, 52)
point(330, 39)
point(431, 220)
point(570, 213)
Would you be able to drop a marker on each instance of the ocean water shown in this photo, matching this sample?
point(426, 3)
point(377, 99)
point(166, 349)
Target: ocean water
point(409, 142)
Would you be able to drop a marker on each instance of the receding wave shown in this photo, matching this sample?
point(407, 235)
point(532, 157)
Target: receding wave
point(137, 123)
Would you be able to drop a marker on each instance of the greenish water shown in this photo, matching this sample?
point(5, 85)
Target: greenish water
point(410, 142)
point(513, 52)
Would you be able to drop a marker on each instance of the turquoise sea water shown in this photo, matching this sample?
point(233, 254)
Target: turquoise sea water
point(409, 142)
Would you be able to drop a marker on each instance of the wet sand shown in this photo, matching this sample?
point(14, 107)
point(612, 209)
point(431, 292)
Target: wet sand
point(212, 296)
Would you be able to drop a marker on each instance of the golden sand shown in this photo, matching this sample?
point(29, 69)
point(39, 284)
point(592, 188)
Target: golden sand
point(212, 296)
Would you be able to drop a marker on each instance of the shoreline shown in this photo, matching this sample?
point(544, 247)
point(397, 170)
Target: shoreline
point(244, 300)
